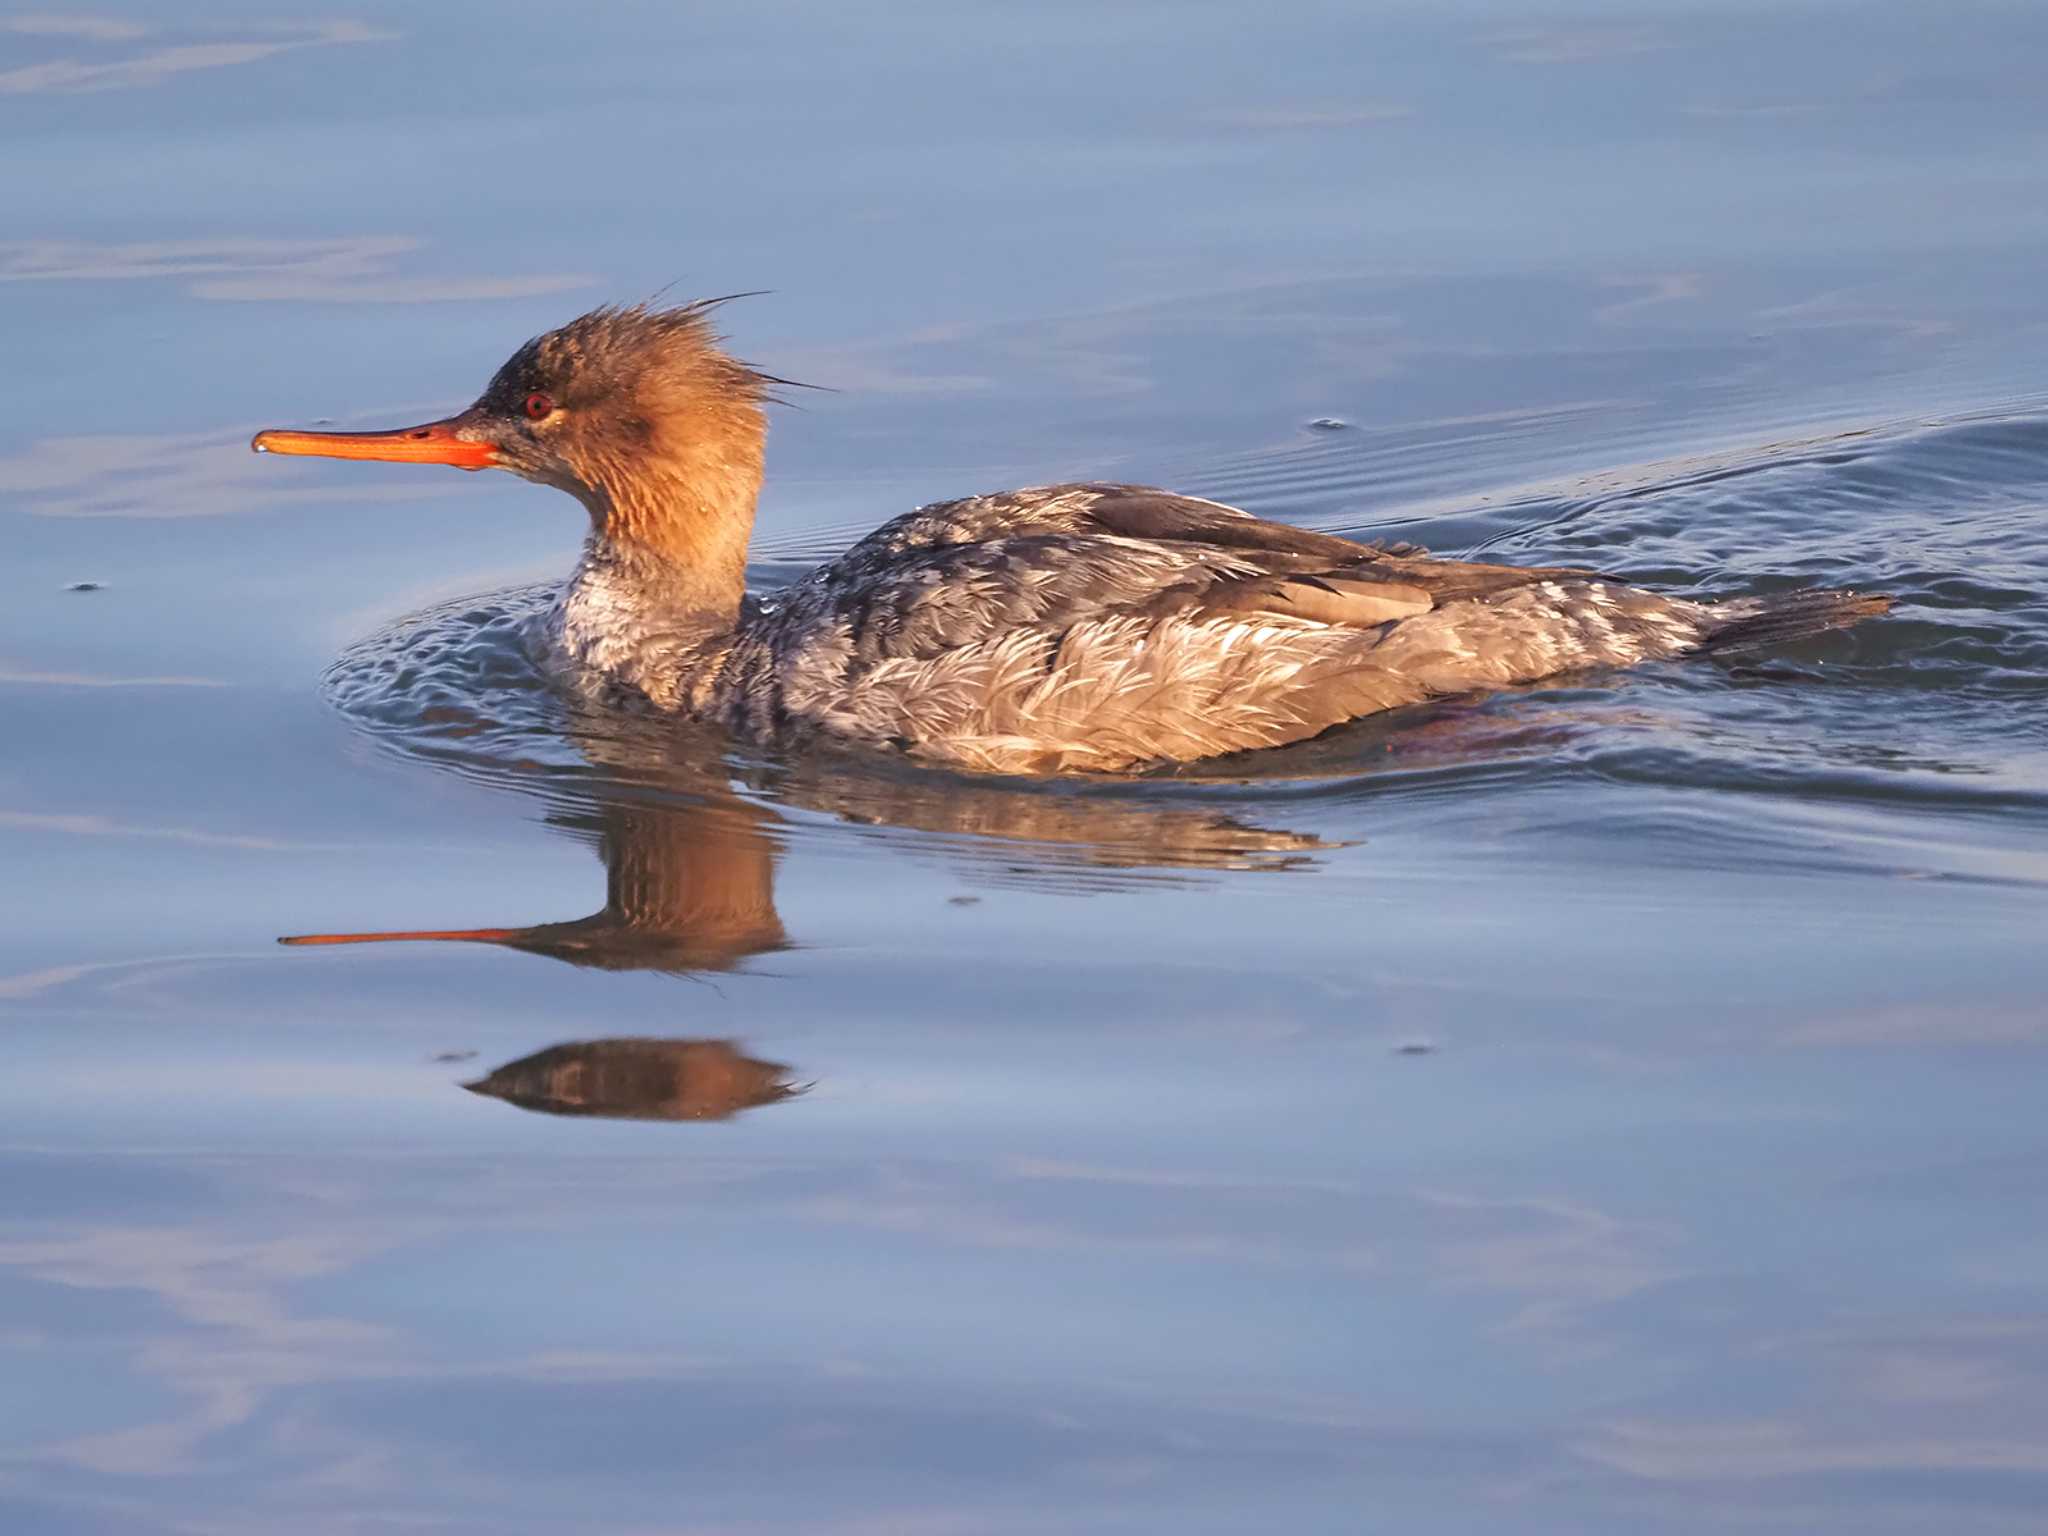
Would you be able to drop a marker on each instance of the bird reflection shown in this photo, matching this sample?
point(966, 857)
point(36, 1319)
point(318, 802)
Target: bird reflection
point(690, 862)
point(636, 1079)
point(690, 867)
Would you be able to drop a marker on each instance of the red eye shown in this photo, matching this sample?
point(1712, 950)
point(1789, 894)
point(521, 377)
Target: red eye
point(539, 405)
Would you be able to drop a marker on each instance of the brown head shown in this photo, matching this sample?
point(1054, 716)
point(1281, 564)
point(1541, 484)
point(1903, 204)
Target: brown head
point(635, 411)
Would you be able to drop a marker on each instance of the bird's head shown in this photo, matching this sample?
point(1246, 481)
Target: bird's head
point(636, 411)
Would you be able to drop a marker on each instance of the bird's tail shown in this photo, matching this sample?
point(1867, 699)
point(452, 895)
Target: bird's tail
point(1743, 622)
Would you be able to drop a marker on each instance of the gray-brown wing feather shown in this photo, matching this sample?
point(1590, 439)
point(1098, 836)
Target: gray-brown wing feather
point(959, 571)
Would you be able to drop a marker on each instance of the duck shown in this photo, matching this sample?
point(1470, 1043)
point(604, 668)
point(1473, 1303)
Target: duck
point(1077, 628)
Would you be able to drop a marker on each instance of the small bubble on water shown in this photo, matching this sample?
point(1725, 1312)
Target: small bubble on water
point(1416, 1048)
point(84, 586)
point(1329, 424)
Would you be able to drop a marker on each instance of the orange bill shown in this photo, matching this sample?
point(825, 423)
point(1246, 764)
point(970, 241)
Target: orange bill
point(437, 442)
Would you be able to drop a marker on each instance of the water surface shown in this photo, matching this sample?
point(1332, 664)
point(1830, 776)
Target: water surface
point(1605, 1107)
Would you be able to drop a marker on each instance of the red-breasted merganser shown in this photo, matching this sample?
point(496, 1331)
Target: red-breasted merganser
point(1085, 627)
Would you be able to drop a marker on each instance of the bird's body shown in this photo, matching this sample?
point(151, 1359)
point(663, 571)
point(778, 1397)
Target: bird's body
point(1085, 627)
point(1108, 627)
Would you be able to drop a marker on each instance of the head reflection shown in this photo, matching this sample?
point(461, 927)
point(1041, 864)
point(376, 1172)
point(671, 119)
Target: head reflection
point(640, 1079)
point(689, 886)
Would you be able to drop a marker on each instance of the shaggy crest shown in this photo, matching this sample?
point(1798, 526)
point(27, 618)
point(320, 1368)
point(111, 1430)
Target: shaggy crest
point(632, 352)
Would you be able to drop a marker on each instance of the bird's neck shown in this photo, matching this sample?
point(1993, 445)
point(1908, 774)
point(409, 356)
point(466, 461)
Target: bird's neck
point(663, 574)
point(679, 528)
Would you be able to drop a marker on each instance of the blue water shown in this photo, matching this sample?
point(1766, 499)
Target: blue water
point(1605, 1108)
